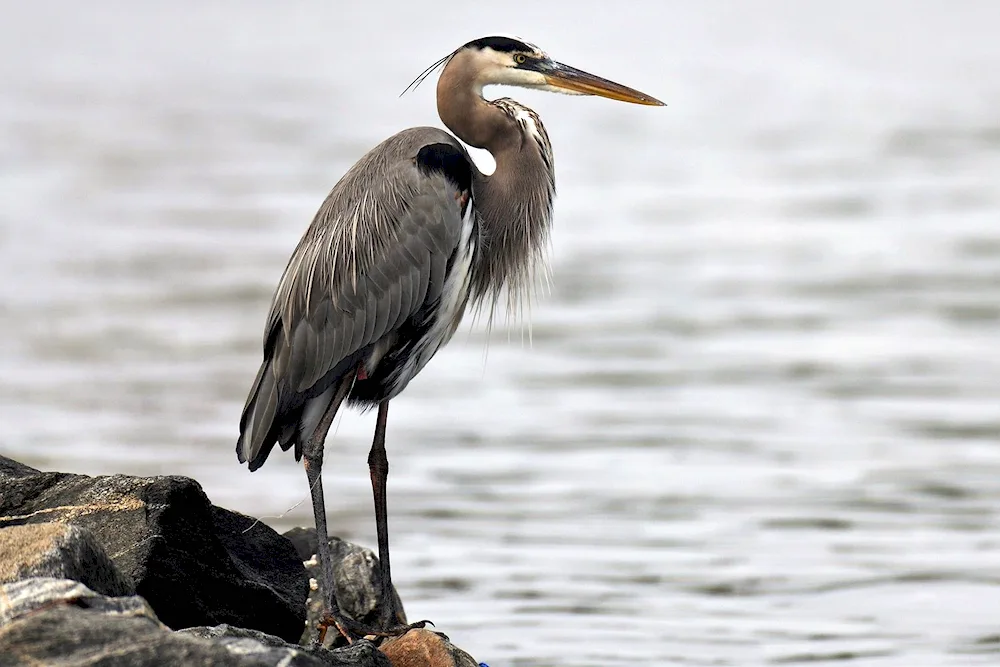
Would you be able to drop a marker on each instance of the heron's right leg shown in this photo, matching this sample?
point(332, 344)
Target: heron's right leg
point(312, 455)
point(378, 465)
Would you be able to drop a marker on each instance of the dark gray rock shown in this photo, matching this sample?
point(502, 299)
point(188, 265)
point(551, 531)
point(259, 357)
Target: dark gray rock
point(11, 469)
point(356, 579)
point(61, 623)
point(194, 563)
point(61, 551)
point(26, 597)
point(304, 541)
point(240, 640)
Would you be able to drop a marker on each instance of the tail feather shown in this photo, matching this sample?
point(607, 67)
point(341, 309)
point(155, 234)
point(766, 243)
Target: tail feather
point(275, 414)
point(261, 426)
point(257, 435)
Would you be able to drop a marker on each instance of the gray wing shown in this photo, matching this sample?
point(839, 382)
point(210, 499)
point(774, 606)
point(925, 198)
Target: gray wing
point(377, 250)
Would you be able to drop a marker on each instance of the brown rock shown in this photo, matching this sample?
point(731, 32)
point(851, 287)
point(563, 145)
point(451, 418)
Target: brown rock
point(61, 551)
point(425, 648)
point(196, 564)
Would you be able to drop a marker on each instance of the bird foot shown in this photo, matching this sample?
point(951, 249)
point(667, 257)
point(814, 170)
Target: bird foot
point(399, 630)
point(352, 630)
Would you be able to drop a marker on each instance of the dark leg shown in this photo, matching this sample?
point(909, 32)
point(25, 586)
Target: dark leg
point(330, 608)
point(378, 466)
point(312, 454)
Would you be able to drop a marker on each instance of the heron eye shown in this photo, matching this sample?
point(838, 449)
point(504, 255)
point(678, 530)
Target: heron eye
point(519, 58)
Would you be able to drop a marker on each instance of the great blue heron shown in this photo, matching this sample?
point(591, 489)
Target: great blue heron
point(382, 276)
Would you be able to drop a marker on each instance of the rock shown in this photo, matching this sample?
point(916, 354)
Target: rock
point(304, 541)
point(237, 586)
point(359, 654)
point(356, 579)
point(61, 623)
point(425, 648)
point(196, 564)
point(269, 564)
point(61, 551)
point(28, 596)
point(11, 469)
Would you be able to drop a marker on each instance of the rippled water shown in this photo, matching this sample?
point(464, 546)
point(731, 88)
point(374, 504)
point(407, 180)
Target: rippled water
point(758, 419)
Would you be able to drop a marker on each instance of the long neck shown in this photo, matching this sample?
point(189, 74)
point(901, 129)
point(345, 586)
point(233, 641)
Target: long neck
point(514, 203)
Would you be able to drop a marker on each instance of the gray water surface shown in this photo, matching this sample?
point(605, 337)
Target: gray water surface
point(756, 420)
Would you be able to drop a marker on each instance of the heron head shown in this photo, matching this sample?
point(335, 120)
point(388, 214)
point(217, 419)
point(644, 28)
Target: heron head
point(515, 62)
point(510, 61)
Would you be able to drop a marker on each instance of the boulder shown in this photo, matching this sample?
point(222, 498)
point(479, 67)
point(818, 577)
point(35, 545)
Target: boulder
point(303, 540)
point(21, 599)
point(62, 551)
point(196, 564)
point(356, 580)
point(60, 623)
point(11, 469)
point(425, 648)
point(359, 654)
point(108, 570)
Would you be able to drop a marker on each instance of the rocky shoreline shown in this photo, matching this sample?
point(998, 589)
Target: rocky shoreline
point(120, 570)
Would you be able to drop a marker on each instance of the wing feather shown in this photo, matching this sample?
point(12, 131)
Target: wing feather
point(375, 253)
point(371, 311)
point(422, 278)
point(394, 296)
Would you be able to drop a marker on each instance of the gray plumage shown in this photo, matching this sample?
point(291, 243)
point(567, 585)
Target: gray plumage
point(379, 282)
point(376, 252)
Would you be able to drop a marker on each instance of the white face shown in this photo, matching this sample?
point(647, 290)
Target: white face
point(508, 61)
point(505, 68)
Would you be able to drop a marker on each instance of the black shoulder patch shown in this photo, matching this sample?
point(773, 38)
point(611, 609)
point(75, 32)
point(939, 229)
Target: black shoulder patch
point(505, 44)
point(448, 160)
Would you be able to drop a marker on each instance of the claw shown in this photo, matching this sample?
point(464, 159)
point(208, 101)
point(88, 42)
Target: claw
point(399, 630)
point(348, 629)
point(352, 630)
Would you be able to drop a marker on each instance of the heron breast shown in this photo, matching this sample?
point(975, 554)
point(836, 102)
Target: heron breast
point(397, 359)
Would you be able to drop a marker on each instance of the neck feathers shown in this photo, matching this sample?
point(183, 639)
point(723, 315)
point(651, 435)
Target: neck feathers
point(514, 203)
point(515, 213)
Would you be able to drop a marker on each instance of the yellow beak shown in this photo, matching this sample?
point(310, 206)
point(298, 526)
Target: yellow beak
point(579, 82)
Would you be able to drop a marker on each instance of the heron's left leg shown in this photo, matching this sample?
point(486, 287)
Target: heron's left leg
point(389, 620)
point(378, 467)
